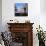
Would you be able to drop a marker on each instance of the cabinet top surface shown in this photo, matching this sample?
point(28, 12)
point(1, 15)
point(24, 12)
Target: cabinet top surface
point(19, 23)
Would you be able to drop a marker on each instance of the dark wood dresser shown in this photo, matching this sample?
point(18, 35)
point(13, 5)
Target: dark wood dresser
point(22, 33)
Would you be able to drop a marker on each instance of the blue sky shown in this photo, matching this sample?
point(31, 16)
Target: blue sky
point(19, 5)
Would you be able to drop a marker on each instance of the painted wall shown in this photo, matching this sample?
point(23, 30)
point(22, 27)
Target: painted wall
point(8, 11)
point(35, 15)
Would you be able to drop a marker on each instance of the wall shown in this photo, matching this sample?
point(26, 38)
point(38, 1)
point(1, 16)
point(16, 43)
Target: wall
point(0, 15)
point(43, 14)
point(35, 15)
point(8, 11)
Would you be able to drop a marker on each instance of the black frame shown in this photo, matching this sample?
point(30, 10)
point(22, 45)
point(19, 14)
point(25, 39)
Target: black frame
point(25, 8)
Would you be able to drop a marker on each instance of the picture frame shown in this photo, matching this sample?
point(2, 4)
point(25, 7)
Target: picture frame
point(21, 9)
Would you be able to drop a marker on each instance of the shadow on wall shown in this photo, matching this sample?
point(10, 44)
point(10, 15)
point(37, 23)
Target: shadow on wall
point(43, 6)
point(0, 15)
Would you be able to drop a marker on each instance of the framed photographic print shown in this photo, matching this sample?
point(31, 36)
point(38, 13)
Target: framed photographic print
point(21, 9)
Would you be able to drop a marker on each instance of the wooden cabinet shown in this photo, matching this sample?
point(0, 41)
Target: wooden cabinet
point(22, 33)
